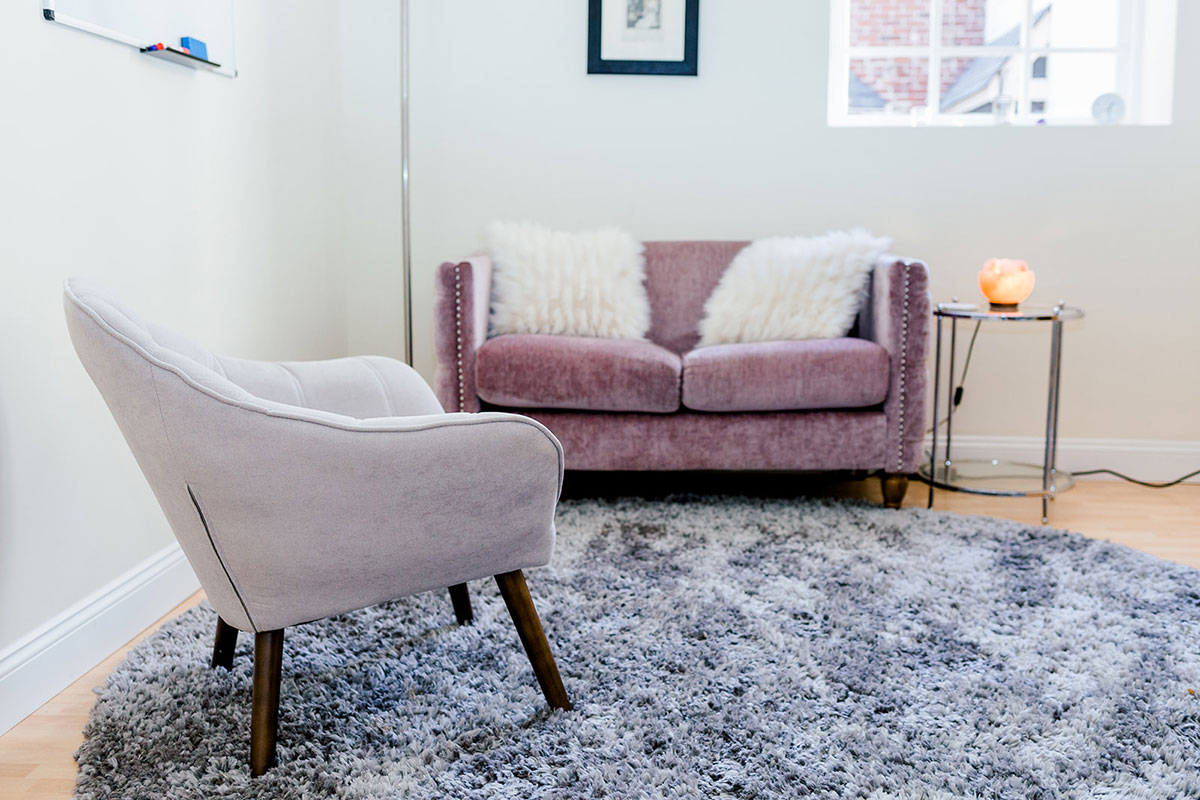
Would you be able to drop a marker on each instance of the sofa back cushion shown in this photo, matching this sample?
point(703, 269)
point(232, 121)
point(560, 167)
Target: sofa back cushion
point(679, 278)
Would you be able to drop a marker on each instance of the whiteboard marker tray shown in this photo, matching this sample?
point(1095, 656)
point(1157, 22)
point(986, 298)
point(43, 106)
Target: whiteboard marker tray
point(177, 56)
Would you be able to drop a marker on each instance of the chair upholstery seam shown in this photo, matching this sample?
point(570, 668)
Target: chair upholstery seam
point(299, 389)
point(387, 396)
point(298, 415)
point(220, 559)
point(162, 420)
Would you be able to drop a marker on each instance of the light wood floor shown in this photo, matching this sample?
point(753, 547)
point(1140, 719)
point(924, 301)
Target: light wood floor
point(36, 757)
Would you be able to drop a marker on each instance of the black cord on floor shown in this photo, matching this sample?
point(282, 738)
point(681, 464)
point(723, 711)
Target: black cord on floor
point(1149, 484)
point(958, 395)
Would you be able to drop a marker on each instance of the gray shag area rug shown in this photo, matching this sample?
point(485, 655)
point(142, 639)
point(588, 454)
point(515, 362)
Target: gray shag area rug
point(713, 647)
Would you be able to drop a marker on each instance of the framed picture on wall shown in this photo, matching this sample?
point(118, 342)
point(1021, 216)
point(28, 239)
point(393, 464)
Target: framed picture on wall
point(643, 37)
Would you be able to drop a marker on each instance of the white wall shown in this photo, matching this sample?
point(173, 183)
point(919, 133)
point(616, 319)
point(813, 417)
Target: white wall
point(204, 201)
point(371, 253)
point(507, 124)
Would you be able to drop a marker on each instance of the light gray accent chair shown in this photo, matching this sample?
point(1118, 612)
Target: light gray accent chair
point(303, 490)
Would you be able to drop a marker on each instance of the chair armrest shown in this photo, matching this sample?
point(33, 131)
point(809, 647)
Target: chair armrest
point(897, 317)
point(462, 297)
point(313, 515)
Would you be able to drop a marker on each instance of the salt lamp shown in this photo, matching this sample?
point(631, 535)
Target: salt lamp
point(1005, 282)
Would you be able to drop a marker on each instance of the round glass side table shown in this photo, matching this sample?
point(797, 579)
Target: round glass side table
point(999, 478)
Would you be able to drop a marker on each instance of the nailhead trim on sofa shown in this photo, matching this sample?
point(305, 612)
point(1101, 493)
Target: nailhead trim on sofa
point(903, 370)
point(458, 329)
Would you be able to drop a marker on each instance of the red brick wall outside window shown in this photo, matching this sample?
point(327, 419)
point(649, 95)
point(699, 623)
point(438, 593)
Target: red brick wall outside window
point(904, 82)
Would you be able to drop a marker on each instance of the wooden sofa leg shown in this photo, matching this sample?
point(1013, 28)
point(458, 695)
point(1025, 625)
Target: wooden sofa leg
point(264, 714)
point(461, 598)
point(520, 605)
point(224, 645)
point(894, 485)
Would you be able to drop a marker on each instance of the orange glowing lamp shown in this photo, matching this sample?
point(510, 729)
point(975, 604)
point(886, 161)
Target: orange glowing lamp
point(1006, 283)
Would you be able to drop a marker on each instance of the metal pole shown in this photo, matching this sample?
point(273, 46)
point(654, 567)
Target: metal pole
point(1057, 396)
point(937, 380)
point(950, 392)
point(405, 222)
point(1051, 402)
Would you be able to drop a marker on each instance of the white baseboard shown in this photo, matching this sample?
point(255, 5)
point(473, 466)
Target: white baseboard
point(1145, 459)
point(49, 659)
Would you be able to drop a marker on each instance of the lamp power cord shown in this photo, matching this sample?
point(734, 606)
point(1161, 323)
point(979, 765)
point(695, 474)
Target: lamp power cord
point(958, 390)
point(1148, 484)
point(958, 397)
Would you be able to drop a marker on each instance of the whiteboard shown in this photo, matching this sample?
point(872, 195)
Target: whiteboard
point(140, 23)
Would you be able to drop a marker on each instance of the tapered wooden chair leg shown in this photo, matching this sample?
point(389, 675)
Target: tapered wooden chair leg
point(224, 645)
point(264, 713)
point(520, 605)
point(894, 486)
point(461, 598)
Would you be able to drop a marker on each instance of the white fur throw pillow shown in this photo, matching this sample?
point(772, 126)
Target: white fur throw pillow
point(791, 287)
point(572, 284)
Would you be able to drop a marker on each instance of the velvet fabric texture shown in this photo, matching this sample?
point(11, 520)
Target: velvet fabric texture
point(689, 440)
point(897, 316)
point(785, 376)
point(679, 278)
point(290, 509)
point(542, 371)
point(462, 292)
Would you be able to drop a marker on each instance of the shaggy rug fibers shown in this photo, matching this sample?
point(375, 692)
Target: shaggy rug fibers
point(719, 647)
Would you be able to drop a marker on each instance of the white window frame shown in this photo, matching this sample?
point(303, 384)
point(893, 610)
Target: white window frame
point(841, 53)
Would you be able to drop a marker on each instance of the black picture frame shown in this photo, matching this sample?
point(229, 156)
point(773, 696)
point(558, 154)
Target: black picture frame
point(691, 29)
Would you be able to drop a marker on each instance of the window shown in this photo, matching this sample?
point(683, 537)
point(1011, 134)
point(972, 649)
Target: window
point(988, 62)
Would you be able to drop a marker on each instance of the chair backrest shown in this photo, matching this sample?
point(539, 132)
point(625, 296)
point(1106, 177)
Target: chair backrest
point(128, 359)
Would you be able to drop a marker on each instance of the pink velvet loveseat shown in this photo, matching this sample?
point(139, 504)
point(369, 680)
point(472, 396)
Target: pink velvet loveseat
point(856, 403)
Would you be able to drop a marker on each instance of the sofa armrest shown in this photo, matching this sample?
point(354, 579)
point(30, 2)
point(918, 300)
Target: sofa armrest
point(461, 300)
point(897, 317)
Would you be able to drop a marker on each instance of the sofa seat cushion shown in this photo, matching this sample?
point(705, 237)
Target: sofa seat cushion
point(785, 376)
point(521, 370)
